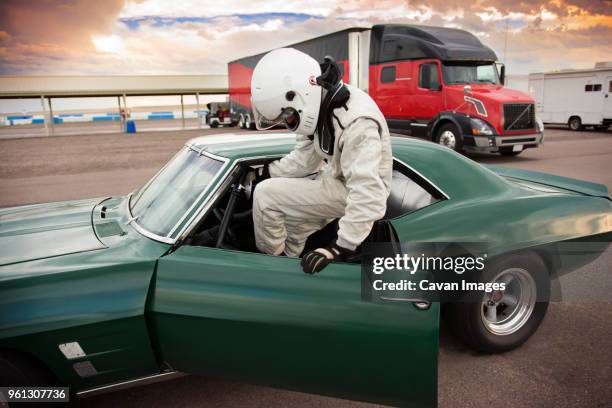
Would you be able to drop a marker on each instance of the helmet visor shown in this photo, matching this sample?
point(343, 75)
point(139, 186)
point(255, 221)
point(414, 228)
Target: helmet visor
point(288, 118)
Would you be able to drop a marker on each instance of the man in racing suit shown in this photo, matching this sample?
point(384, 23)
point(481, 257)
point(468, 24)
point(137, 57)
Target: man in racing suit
point(341, 135)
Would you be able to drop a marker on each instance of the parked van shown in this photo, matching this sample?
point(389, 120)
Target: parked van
point(576, 97)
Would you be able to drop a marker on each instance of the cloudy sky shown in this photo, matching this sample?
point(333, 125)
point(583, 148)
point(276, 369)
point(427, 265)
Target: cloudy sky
point(199, 36)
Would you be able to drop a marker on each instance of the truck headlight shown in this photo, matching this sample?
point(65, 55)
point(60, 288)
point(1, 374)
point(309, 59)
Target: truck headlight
point(539, 125)
point(480, 127)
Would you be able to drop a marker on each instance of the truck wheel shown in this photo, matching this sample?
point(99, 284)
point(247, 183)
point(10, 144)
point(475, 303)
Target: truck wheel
point(575, 123)
point(448, 135)
point(248, 124)
point(507, 151)
point(241, 121)
point(505, 319)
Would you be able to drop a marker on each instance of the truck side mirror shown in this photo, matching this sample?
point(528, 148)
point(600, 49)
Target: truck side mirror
point(502, 73)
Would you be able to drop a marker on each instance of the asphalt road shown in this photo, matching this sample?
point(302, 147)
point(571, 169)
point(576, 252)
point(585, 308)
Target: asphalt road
point(567, 363)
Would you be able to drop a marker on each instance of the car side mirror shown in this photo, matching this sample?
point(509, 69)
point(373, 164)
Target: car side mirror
point(502, 73)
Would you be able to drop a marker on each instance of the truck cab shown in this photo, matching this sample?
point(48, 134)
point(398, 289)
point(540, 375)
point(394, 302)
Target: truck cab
point(444, 84)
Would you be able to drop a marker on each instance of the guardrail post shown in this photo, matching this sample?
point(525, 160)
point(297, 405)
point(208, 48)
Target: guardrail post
point(198, 110)
point(182, 112)
point(44, 110)
point(121, 124)
point(52, 119)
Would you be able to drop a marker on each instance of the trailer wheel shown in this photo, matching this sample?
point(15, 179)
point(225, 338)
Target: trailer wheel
point(575, 123)
point(241, 121)
point(248, 124)
point(448, 135)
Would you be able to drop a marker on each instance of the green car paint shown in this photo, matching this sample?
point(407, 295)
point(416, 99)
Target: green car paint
point(265, 321)
point(86, 272)
point(95, 296)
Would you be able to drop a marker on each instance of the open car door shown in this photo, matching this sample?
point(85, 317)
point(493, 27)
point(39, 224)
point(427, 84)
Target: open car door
point(259, 319)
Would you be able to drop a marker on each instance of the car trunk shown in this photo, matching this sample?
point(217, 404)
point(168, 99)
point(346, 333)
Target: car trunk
point(565, 183)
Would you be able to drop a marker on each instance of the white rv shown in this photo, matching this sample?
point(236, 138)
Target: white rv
point(577, 97)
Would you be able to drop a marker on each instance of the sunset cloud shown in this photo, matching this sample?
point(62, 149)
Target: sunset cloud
point(200, 36)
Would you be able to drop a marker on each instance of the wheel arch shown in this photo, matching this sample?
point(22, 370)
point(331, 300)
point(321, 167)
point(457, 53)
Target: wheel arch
point(572, 117)
point(31, 359)
point(460, 121)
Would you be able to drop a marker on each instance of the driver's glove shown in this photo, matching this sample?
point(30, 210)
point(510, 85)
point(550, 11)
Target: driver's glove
point(315, 261)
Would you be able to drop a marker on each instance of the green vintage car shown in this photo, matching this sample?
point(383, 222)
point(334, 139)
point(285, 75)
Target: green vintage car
point(116, 291)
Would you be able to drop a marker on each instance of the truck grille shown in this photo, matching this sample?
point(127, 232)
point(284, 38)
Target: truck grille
point(515, 117)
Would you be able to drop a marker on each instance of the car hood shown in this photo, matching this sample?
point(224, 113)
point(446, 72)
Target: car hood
point(45, 230)
point(494, 93)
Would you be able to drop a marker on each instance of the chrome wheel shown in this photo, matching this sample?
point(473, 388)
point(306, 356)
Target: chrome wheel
point(241, 122)
point(447, 138)
point(247, 122)
point(505, 312)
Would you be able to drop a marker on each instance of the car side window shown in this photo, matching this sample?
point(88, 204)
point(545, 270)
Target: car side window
point(597, 88)
point(408, 192)
point(428, 76)
point(388, 74)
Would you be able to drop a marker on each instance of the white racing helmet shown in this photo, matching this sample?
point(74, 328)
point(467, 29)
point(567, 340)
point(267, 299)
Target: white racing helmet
point(284, 91)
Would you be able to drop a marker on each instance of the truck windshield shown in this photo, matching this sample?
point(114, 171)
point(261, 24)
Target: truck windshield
point(464, 73)
point(159, 205)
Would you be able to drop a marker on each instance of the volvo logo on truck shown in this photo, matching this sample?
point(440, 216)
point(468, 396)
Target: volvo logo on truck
point(439, 83)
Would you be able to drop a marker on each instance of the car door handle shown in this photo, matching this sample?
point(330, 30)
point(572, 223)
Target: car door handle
point(418, 303)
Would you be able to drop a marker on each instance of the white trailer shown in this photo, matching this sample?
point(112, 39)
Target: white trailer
point(577, 97)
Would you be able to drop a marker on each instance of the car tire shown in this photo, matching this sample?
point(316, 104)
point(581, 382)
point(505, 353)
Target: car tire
point(575, 124)
point(214, 124)
point(448, 135)
point(241, 121)
point(507, 151)
point(499, 328)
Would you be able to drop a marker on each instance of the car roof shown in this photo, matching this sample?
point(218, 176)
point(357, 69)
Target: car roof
point(453, 173)
point(236, 146)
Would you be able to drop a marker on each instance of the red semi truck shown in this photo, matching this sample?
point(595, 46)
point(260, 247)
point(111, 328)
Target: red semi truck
point(439, 83)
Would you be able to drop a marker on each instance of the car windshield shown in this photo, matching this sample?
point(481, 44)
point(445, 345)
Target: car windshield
point(456, 73)
point(159, 205)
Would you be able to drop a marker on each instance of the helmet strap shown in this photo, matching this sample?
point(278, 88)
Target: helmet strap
point(337, 94)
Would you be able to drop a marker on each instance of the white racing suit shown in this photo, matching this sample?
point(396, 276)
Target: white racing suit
point(353, 184)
